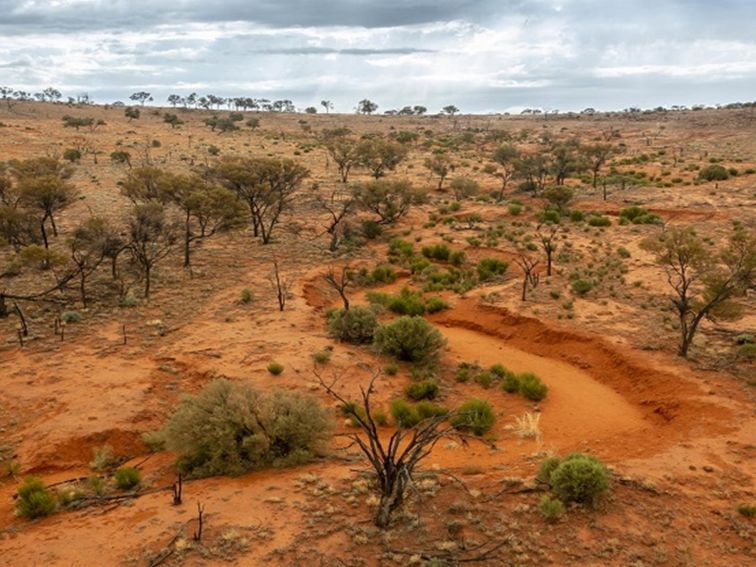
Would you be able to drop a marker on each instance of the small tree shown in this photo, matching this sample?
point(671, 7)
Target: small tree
point(704, 283)
point(47, 194)
point(529, 275)
point(597, 155)
point(366, 106)
point(91, 242)
point(464, 187)
point(390, 200)
point(141, 97)
point(151, 237)
point(441, 166)
point(344, 154)
point(327, 104)
point(547, 234)
point(380, 156)
point(450, 110)
point(131, 113)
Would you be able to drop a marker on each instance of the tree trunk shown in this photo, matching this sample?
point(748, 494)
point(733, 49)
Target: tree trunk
point(3, 307)
point(524, 286)
point(549, 252)
point(391, 499)
point(82, 288)
point(147, 275)
point(43, 230)
point(54, 226)
point(187, 241)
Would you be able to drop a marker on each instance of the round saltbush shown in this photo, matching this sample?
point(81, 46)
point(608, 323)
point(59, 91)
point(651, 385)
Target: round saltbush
point(231, 428)
point(127, 478)
point(579, 478)
point(409, 338)
point(475, 416)
point(531, 387)
point(354, 326)
point(714, 172)
point(35, 500)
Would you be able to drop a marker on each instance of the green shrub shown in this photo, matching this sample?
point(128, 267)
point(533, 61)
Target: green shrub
point(598, 220)
point(35, 500)
point(531, 387)
point(714, 172)
point(72, 155)
point(424, 390)
point(409, 338)
point(435, 305)
point(230, 428)
point(127, 478)
point(70, 317)
point(639, 215)
point(383, 274)
point(103, 458)
point(405, 414)
point(245, 297)
point(371, 229)
point(577, 216)
point(439, 252)
point(391, 369)
point(484, 379)
point(354, 326)
point(747, 351)
point(408, 302)
point(547, 467)
point(579, 478)
point(514, 209)
point(551, 508)
point(275, 368)
point(623, 252)
point(322, 356)
point(490, 268)
point(427, 410)
point(475, 416)
point(511, 383)
point(581, 287)
point(401, 248)
point(747, 510)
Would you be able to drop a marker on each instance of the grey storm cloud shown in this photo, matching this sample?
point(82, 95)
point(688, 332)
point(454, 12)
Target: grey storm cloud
point(482, 55)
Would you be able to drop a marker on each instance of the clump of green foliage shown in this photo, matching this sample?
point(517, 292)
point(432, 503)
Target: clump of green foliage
point(491, 268)
point(576, 478)
point(127, 478)
point(638, 215)
point(475, 416)
point(354, 326)
point(275, 368)
point(35, 500)
point(231, 428)
point(412, 339)
point(551, 508)
point(423, 390)
point(714, 172)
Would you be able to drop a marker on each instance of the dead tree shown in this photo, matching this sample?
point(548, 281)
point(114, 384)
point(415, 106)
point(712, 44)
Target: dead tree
point(340, 280)
point(200, 522)
point(178, 489)
point(281, 284)
point(339, 205)
point(529, 276)
point(394, 462)
point(547, 234)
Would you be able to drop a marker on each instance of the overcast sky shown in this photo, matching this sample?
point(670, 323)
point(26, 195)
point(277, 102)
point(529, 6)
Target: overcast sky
point(481, 55)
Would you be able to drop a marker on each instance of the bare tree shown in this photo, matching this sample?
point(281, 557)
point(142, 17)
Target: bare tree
point(340, 280)
point(152, 237)
point(394, 462)
point(547, 235)
point(529, 276)
point(281, 284)
point(339, 204)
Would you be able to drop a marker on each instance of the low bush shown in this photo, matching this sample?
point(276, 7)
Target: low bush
point(409, 338)
point(439, 252)
point(510, 383)
point(354, 326)
point(491, 268)
point(747, 510)
point(127, 478)
point(230, 428)
point(531, 387)
point(35, 500)
point(70, 317)
point(103, 458)
point(475, 416)
point(427, 410)
point(245, 297)
point(322, 356)
point(581, 287)
point(576, 478)
point(551, 508)
point(405, 414)
point(639, 215)
point(275, 368)
point(714, 172)
point(514, 209)
point(435, 305)
point(371, 229)
point(423, 390)
point(598, 220)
